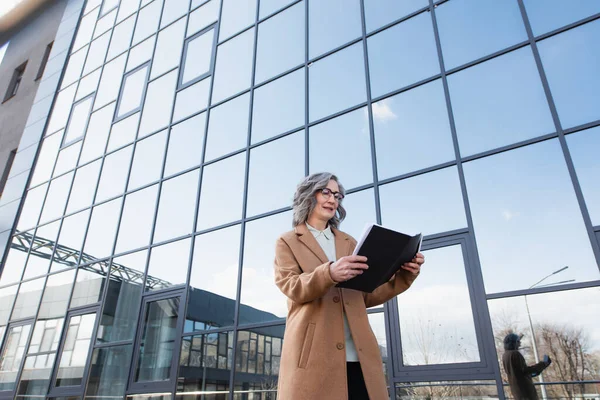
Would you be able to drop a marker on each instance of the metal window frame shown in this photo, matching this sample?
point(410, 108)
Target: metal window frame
point(44, 61)
point(213, 51)
point(15, 81)
point(10, 394)
point(90, 97)
point(117, 117)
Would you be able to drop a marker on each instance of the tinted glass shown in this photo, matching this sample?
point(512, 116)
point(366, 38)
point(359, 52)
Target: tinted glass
point(67, 159)
point(121, 37)
point(89, 285)
point(74, 67)
point(15, 261)
point(203, 16)
point(198, 56)
point(97, 134)
point(56, 296)
point(86, 29)
point(159, 101)
point(168, 265)
point(267, 7)
point(56, 198)
point(360, 208)
point(35, 376)
point(147, 22)
point(46, 335)
point(133, 88)
point(332, 23)
point(137, 219)
point(228, 127)
point(7, 295)
point(108, 372)
point(172, 10)
point(169, 44)
point(191, 99)
point(381, 12)
point(84, 186)
point(88, 85)
point(70, 239)
point(147, 160)
point(185, 144)
point(28, 299)
point(97, 53)
point(123, 132)
point(113, 177)
point(32, 207)
point(545, 16)
point(78, 121)
point(235, 16)
point(141, 53)
point(12, 355)
point(75, 352)
point(46, 158)
point(101, 232)
point(61, 109)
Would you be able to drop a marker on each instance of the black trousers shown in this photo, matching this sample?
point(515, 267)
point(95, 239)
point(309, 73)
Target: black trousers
point(356, 382)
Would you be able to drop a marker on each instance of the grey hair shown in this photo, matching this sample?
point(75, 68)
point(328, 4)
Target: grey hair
point(511, 341)
point(305, 198)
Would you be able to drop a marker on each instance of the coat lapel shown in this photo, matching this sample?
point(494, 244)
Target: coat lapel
point(309, 241)
point(342, 244)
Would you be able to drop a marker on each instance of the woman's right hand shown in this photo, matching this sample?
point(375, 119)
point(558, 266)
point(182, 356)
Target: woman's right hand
point(347, 268)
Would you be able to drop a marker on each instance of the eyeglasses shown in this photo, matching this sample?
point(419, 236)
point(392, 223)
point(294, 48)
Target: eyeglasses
point(326, 192)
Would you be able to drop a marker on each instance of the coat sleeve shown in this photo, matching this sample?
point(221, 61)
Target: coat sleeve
point(518, 363)
point(299, 286)
point(398, 284)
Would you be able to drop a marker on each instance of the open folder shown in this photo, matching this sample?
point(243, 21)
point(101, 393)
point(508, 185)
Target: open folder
point(386, 251)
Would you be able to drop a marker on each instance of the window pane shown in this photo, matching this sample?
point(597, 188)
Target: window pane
point(275, 168)
point(279, 106)
point(172, 10)
point(176, 207)
point(191, 100)
point(15, 260)
point(213, 281)
point(233, 69)
point(147, 22)
point(281, 43)
point(56, 200)
point(28, 299)
point(548, 15)
point(147, 160)
point(74, 67)
point(133, 89)
point(360, 208)
point(412, 120)
point(39, 257)
point(123, 132)
point(402, 55)
point(46, 335)
point(216, 206)
point(86, 29)
point(235, 16)
point(88, 85)
point(97, 134)
point(198, 56)
point(332, 23)
point(261, 299)
point(68, 245)
point(78, 121)
point(158, 103)
point(75, 352)
point(7, 295)
point(499, 102)
point(46, 159)
point(584, 147)
point(377, 323)
point(438, 207)
point(89, 285)
point(268, 7)
point(169, 44)
point(141, 53)
point(571, 65)
point(84, 186)
point(438, 331)
point(32, 207)
point(228, 127)
point(348, 135)
point(137, 219)
point(61, 109)
point(97, 53)
point(121, 37)
point(113, 180)
point(473, 29)
point(203, 16)
point(122, 304)
point(337, 82)
point(168, 265)
point(67, 159)
point(447, 390)
point(56, 296)
point(381, 12)
point(109, 370)
point(185, 142)
point(14, 348)
point(514, 196)
point(103, 226)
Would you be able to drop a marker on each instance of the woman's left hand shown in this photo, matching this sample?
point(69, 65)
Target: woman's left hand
point(414, 266)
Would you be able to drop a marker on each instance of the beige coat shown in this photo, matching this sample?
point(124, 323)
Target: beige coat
point(313, 359)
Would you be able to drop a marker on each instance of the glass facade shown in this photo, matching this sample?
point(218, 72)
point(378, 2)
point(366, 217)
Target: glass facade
point(141, 264)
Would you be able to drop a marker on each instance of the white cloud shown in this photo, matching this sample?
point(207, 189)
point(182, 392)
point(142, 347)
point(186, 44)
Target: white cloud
point(508, 215)
point(382, 111)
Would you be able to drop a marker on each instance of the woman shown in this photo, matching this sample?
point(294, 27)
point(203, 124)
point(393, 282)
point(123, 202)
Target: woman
point(329, 350)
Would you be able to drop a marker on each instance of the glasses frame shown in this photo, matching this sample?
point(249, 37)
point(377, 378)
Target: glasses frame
point(326, 192)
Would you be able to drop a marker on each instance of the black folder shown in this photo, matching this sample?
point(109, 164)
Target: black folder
point(386, 251)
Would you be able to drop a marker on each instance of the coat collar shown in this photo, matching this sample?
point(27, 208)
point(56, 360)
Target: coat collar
point(342, 241)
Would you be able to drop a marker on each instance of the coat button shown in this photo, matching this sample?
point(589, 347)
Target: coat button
point(336, 299)
point(340, 346)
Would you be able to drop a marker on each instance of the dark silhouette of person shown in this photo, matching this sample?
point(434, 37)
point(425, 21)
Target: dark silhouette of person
point(519, 373)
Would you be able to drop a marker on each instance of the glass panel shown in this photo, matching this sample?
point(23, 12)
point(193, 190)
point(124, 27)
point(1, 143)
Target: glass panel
point(56, 200)
point(228, 127)
point(570, 62)
point(360, 207)
point(453, 390)
point(268, 7)
point(213, 281)
point(235, 16)
point(348, 135)
point(168, 265)
point(123, 132)
point(122, 304)
point(46, 159)
point(281, 43)
point(97, 134)
point(70, 239)
point(559, 324)
point(61, 109)
point(86, 29)
point(84, 186)
point(35, 377)
point(337, 82)
point(15, 260)
point(39, 257)
point(176, 208)
point(414, 119)
point(332, 23)
point(203, 16)
point(584, 147)
point(191, 100)
point(97, 53)
point(279, 106)
point(515, 196)
point(67, 159)
point(102, 230)
point(256, 368)
point(147, 160)
point(466, 31)
point(377, 323)
point(121, 37)
point(516, 111)
point(56, 296)
point(126, 8)
point(381, 12)
point(12, 355)
point(78, 121)
point(88, 85)
point(185, 142)
point(261, 299)
point(141, 53)
point(28, 299)
point(113, 179)
point(7, 298)
point(158, 103)
point(275, 168)
point(133, 90)
point(438, 208)
point(169, 44)
point(109, 370)
point(75, 351)
point(157, 345)
point(32, 208)
point(233, 69)
point(89, 285)
point(389, 51)
point(137, 219)
point(172, 10)
point(108, 20)
point(198, 56)
point(548, 15)
point(147, 22)
point(220, 204)
point(203, 367)
point(74, 67)
point(46, 335)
